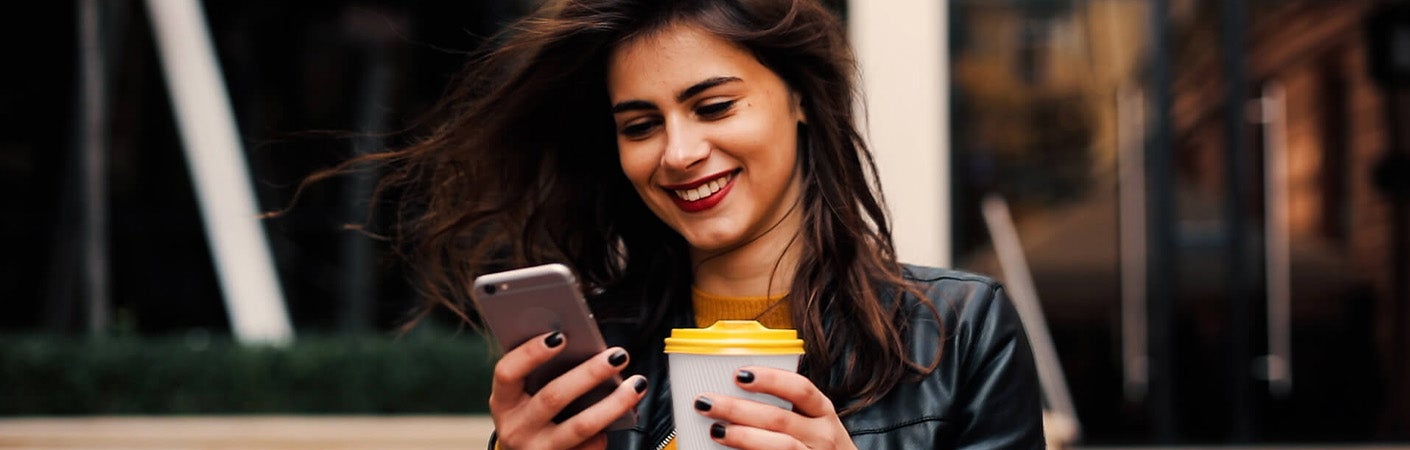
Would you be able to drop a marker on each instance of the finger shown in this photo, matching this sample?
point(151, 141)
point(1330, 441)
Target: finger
point(796, 389)
point(507, 387)
point(557, 394)
point(596, 418)
point(750, 413)
point(750, 438)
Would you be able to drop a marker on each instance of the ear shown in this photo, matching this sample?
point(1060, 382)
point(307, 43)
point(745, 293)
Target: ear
point(797, 107)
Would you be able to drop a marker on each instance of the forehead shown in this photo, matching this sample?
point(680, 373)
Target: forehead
point(674, 58)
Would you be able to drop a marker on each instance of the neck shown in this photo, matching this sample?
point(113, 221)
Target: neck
point(765, 266)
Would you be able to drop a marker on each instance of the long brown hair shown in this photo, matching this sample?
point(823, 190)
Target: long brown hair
point(522, 169)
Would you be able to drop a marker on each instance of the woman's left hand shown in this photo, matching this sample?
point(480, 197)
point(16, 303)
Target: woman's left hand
point(745, 424)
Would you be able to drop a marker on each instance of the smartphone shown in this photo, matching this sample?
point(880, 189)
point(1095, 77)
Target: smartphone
point(522, 304)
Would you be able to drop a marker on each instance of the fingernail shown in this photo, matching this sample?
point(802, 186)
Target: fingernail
point(618, 358)
point(703, 403)
point(640, 385)
point(717, 431)
point(553, 340)
point(744, 376)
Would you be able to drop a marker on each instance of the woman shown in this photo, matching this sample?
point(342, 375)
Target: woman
point(697, 160)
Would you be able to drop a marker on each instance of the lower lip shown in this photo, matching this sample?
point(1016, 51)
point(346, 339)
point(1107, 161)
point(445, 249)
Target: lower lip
point(704, 203)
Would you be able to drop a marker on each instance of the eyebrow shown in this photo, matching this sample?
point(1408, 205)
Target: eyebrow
point(693, 90)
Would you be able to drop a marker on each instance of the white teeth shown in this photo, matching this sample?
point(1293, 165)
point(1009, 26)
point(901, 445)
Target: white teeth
point(705, 190)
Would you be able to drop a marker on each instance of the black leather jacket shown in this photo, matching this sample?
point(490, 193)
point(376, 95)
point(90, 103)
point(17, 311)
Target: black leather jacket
point(983, 395)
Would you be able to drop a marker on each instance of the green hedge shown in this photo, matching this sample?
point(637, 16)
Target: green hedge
point(320, 374)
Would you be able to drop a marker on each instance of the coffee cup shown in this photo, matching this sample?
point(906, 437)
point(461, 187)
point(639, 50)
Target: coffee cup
point(706, 359)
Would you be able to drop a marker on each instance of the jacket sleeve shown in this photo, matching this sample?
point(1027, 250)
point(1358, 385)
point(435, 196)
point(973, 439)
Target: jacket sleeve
point(1004, 407)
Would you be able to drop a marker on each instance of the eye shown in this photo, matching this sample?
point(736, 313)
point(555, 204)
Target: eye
point(714, 110)
point(638, 129)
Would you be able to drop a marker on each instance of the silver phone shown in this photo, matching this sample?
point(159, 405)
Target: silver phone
point(521, 304)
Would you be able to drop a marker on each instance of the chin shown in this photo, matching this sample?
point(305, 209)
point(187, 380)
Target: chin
point(710, 241)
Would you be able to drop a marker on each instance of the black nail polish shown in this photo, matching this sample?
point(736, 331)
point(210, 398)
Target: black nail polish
point(553, 340)
point(618, 358)
point(703, 403)
point(745, 376)
point(640, 385)
point(717, 431)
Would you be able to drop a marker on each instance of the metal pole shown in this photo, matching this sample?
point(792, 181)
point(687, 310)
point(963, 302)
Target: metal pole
point(1394, 169)
point(93, 130)
point(359, 281)
point(1237, 167)
point(215, 156)
point(1276, 366)
point(1389, 42)
point(1131, 189)
point(1161, 280)
point(1024, 295)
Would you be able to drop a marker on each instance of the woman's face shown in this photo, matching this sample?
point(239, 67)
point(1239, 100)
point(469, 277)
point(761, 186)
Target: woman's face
point(706, 134)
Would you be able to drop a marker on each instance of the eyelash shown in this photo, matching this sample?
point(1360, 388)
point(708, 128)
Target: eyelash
point(638, 129)
point(710, 111)
point(714, 110)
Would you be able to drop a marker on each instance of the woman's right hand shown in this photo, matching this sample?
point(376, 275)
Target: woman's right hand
point(524, 421)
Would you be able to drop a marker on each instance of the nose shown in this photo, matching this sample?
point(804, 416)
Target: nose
point(685, 147)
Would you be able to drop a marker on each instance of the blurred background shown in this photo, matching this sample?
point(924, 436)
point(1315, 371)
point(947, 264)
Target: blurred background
point(1212, 199)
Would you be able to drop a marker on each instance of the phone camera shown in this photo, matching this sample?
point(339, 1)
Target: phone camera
point(490, 289)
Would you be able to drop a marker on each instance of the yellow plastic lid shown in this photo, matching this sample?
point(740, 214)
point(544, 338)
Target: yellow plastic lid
point(734, 337)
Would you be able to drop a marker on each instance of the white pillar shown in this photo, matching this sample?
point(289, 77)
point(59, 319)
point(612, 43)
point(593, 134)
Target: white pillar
point(902, 49)
point(216, 159)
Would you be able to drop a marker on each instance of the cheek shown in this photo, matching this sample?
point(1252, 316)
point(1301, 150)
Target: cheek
point(763, 140)
point(635, 163)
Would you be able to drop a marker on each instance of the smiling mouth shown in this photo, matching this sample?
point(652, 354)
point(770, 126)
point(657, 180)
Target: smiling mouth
point(705, 190)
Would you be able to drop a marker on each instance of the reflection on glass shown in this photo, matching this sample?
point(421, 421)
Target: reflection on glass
point(1051, 112)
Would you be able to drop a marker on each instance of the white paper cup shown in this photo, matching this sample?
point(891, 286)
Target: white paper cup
point(706, 359)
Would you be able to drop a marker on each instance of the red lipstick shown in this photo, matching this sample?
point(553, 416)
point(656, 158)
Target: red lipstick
point(701, 203)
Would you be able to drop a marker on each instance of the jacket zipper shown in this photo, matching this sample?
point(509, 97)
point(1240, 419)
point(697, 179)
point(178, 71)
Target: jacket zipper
point(669, 437)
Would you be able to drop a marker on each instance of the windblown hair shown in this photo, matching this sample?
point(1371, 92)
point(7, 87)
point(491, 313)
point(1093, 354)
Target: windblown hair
point(522, 169)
